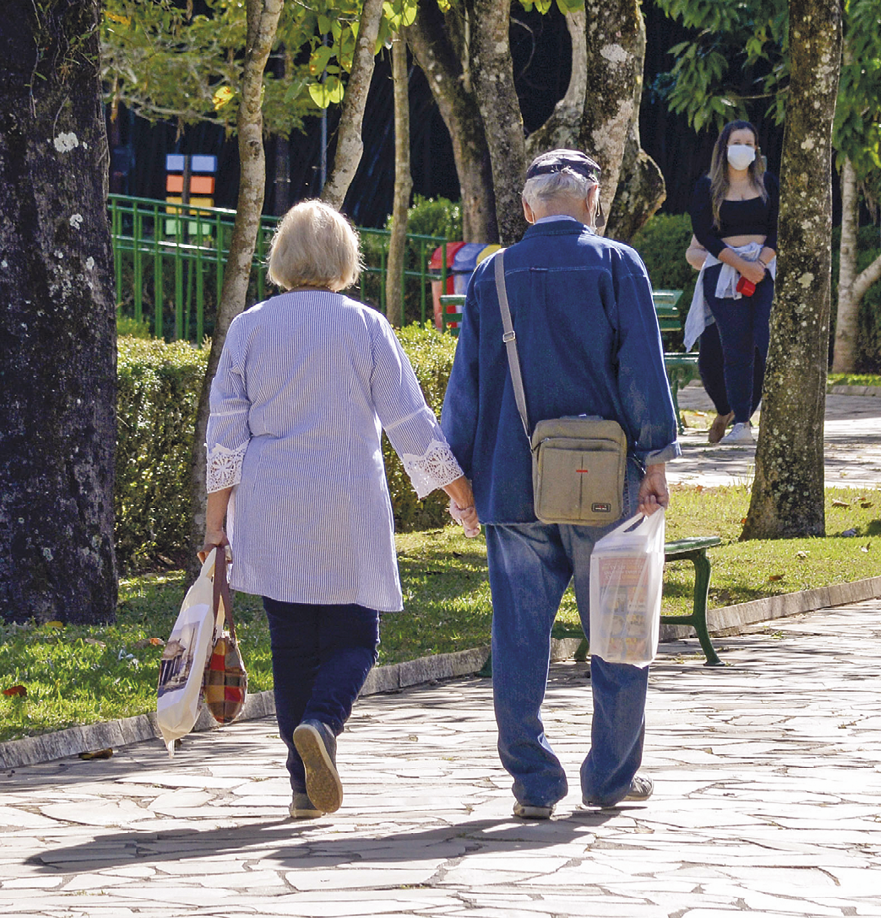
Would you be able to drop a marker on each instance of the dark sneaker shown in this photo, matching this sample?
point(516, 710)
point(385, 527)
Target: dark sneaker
point(303, 808)
point(316, 746)
point(641, 788)
point(525, 811)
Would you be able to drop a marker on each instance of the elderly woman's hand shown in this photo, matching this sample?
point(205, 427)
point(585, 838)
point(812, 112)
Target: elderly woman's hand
point(467, 516)
point(462, 505)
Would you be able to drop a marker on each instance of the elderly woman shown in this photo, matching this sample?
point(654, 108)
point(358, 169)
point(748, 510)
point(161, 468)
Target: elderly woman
point(306, 383)
point(734, 213)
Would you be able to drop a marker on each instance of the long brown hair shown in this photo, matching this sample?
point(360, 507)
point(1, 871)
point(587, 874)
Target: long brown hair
point(719, 168)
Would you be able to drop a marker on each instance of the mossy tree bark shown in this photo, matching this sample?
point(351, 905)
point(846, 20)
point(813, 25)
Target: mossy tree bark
point(403, 186)
point(57, 325)
point(439, 43)
point(492, 73)
point(263, 18)
point(788, 493)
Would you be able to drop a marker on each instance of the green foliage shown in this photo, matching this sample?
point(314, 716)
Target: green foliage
point(739, 59)
point(131, 328)
point(158, 393)
point(431, 354)
point(434, 217)
point(662, 243)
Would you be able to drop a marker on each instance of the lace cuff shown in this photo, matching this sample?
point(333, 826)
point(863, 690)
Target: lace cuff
point(224, 467)
point(436, 468)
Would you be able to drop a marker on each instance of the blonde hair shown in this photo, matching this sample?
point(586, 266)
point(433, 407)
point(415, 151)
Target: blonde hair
point(719, 168)
point(314, 246)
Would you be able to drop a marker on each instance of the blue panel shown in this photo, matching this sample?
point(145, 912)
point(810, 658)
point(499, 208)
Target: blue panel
point(174, 162)
point(203, 163)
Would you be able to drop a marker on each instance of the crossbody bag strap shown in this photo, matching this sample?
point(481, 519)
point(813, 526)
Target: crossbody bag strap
point(510, 339)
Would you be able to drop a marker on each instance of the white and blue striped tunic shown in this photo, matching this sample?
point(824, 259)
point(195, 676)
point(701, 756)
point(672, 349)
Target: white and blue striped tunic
point(306, 383)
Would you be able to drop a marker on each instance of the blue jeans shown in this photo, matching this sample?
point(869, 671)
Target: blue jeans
point(530, 566)
point(321, 656)
point(744, 329)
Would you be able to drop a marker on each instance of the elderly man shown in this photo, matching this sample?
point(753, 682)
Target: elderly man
point(589, 344)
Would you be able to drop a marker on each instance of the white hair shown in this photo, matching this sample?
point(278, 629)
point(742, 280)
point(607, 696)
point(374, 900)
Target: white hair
point(553, 186)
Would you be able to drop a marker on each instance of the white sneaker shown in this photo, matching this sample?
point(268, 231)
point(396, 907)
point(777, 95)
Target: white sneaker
point(739, 433)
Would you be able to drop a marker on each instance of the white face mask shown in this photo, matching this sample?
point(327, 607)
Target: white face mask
point(740, 155)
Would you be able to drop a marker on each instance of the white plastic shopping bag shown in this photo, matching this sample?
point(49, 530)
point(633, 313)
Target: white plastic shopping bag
point(185, 657)
point(626, 578)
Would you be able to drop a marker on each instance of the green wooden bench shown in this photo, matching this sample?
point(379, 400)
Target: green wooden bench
point(681, 367)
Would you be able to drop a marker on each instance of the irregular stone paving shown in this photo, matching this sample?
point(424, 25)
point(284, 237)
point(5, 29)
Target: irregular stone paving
point(767, 803)
point(852, 446)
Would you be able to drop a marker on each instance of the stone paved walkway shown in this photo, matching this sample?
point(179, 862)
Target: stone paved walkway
point(852, 435)
point(767, 803)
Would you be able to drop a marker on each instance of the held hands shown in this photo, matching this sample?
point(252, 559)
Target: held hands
point(467, 516)
point(653, 492)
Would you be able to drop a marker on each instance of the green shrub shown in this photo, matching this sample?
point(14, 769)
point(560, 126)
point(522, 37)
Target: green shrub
point(431, 354)
point(662, 243)
point(434, 217)
point(158, 395)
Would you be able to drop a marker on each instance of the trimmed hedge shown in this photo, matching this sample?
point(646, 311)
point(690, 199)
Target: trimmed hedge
point(157, 400)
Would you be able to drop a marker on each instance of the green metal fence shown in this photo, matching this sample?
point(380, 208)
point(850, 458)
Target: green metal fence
point(169, 262)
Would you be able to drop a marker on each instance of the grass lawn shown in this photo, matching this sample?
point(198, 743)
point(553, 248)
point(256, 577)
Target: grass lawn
point(78, 675)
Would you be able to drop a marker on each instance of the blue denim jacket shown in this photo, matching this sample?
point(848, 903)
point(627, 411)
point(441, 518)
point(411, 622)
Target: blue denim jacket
point(589, 343)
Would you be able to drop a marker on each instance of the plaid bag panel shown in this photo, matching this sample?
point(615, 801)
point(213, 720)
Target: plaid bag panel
point(226, 681)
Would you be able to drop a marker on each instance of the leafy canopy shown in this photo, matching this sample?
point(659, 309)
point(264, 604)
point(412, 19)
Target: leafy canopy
point(738, 60)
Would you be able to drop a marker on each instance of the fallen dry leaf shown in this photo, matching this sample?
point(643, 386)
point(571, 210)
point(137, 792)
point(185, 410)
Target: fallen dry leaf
point(775, 577)
point(100, 754)
point(16, 691)
point(840, 503)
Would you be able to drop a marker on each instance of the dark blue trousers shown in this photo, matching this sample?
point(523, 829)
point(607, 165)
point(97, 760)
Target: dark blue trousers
point(744, 330)
point(321, 656)
point(711, 366)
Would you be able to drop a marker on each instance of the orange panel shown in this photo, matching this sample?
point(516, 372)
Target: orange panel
point(174, 183)
point(201, 184)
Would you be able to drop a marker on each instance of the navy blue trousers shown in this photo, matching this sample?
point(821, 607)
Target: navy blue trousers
point(744, 330)
point(711, 366)
point(321, 656)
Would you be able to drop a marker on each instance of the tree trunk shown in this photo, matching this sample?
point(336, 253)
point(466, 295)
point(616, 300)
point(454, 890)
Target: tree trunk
point(492, 73)
point(57, 325)
point(615, 57)
point(262, 24)
point(349, 144)
point(608, 52)
point(852, 287)
point(563, 127)
point(846, 325)
point(439, 46)
point(788, 492)
point(394, 293)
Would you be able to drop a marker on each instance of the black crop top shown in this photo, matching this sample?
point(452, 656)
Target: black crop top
point(754, 217)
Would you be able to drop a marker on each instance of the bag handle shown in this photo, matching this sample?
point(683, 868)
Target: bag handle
point(221, 589)
point(510, 339)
